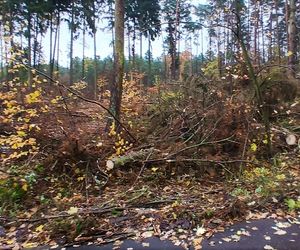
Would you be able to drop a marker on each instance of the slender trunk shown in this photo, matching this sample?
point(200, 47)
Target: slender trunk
point(113, 41)
point(54, 47)
point(191, 56)
point(95, 53)
point(129, 51)
point(219, 53)
point(165, 61)
point(202, 46)
point(256, 35)
point(277, 33)
point(83, 54)
point(177, 39)
point(287, 15)
point(1, 52)
point(133, 48)
point(262, 34)
point(58, 43)
point(35, 42)
point(51, 46)
point(71, 45)
point(116, 91)
point(292, 30)
point(270, 50)
point(29, 48)
point(141, 51)
point(149, 61)
point(12, 46)
point(6, 60)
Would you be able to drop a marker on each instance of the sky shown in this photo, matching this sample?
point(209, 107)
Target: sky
point(104, 47)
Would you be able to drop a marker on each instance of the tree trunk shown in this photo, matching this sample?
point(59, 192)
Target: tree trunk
point(35, 41)
point(83, 54)
point(58, 43)
point(292, 38)
point(29, 48)
point(133, 48)
point(95, 54)
point(262, 34)
point(129, 50)
point(51, 47)
point(149, 61)
point(1, 53)
point(71, 45)
point(54, 48)
point(141, 51)
point(270, 49)
point(116, 90)
point(277, 33)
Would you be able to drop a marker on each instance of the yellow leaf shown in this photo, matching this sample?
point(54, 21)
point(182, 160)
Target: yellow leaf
point(289, 53)
point(81, 178)
point(25, 187)
point(154, 169)
point(40, 228)
point(33, 97)
point(280, 177)
point(72, 210)
point(253, 147)
point(21, 133)
point(53, 101)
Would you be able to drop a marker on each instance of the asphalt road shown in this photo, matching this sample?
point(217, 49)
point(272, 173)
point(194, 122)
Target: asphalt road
point(259, 234)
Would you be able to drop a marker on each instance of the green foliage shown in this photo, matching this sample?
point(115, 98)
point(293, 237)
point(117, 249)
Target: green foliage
point(11, 194)
point(292, 204)
point(240, 192)
point(266, 181)
point(211, 69)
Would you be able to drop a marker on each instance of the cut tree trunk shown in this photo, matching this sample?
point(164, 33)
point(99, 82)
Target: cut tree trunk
point(131, 157)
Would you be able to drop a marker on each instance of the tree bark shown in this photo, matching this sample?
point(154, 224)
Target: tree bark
point(83, 53)
point(29, 47)
point(95, 53)
point(71, 45)
point(116, 90)
point(1, 53)
point(51, 45)
point(57, 56)
point(292, 38)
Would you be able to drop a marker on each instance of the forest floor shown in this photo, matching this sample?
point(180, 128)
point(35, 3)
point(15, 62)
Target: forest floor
point(71, 197)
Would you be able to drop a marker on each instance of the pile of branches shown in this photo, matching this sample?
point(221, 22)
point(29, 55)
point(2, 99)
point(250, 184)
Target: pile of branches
point(199, 125)
point(194, 124)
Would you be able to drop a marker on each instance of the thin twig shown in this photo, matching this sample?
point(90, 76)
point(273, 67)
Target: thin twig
point(198, 145)
point(142, 169)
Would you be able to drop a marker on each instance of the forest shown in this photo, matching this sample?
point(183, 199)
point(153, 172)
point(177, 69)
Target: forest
point(132, 119)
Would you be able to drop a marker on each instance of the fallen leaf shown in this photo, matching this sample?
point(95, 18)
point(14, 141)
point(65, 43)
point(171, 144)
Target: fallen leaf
point(283, 225)
point(39, 228)
point(72, 210)
point(147, 234)
point(236, 238)
point(212, 243)
point(200, 231)
point(280, 232)
point(197, 243)
point(146, 244)
point(268, 247)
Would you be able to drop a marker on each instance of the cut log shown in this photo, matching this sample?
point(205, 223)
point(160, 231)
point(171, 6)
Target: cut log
point(291, 140)
point(130, 157)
